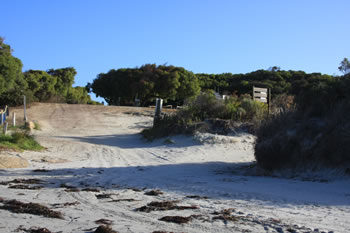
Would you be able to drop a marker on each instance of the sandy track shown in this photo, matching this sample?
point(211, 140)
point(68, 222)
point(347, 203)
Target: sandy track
point(99, 147)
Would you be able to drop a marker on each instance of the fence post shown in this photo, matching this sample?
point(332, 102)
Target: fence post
point(269, 100)
point(5, 127)
point(24, 105)
point(159, 104)
point(14, 119)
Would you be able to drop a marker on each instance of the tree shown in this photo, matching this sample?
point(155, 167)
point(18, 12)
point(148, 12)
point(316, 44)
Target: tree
point(344, 66)
point(146, 83)
point(10, 69)
point(64, 79)
point(41, 84)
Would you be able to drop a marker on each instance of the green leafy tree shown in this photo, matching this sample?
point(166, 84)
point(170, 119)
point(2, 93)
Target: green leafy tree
point(64, 80)
point(344, 66)
point(78, 95)
point(11, 77)
point(146, 83)
point(41, 84)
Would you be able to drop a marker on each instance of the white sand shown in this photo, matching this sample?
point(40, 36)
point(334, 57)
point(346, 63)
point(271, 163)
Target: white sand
point(98, 147)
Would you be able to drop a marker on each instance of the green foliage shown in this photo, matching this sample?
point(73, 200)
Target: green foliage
point(19, 141)
point(11, 78)
point(41, 84)
point(242, 108)
point(206, 106)
point(64, 79)
point(78, 95)
point(122, 86)
point(344, 66)
point(55, 85)
point(314, 134)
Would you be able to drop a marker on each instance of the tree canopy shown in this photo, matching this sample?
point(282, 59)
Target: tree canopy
point(344, 66)
point(54, 85)
point(146, 83)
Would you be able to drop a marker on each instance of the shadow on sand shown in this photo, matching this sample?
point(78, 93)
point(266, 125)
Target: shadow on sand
point(128, 141)
point(212, 179)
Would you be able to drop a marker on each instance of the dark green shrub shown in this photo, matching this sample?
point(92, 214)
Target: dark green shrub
point(309, 137)
point(206, 106)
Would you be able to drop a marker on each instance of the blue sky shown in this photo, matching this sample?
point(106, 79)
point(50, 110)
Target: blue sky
point(203, 36)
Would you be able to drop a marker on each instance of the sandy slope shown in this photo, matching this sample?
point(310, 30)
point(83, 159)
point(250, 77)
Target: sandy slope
point(98, 147)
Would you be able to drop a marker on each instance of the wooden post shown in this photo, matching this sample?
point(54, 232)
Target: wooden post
point(269, 101)
point(159, 104)
point(7, 110)
point(24, 105)
point(14, 119)
point(5, 127)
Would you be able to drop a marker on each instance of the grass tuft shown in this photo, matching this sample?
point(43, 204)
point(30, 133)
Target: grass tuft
point(19, 141)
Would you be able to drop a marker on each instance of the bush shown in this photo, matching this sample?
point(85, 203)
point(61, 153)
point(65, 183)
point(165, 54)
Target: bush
point(19, 141)
point(207, 106)
point(308, 137)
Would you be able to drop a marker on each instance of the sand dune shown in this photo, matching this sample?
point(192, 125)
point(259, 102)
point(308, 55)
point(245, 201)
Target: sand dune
point(96, 166)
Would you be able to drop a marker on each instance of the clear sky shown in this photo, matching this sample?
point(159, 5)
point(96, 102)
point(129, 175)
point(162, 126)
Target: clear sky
point(203, 36)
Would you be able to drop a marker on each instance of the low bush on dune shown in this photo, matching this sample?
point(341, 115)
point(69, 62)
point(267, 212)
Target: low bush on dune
point(315, 135)
point(204, 111)
point(19, 141)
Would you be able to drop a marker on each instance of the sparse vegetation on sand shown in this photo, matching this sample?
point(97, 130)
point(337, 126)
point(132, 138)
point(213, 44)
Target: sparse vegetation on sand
point(207, 113)
point(19, 141)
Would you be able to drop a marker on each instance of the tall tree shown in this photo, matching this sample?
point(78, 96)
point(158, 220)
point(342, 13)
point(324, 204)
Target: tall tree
point(41, 84)
point(10, 69)
point(65, 79)
point(149, 81)
point(344, 66)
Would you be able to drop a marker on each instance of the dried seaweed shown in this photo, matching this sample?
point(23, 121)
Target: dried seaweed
point(91, 190)
point(34, 230)
point(15, 206)
point(154, 193)
point(127, 199)
point(103, 221)
point(21, 186)
point(197, 197)
point(22, 181)
point(176, 219)
point(41, 170)
point(59, 205)
point(104, 195)
point(104, 229)
point(162, 206)
point(72, 190)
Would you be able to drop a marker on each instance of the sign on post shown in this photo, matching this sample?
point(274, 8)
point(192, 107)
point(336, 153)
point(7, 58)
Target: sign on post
point(262, 95)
